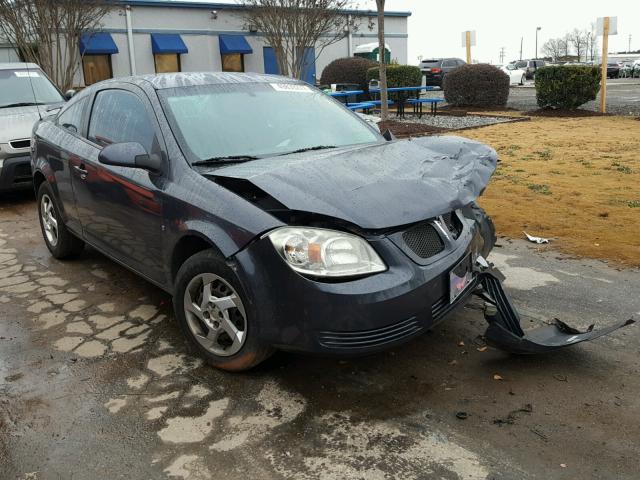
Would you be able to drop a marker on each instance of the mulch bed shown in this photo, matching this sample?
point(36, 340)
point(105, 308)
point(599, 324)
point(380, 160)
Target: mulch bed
point(551, 112)
point(405, 128)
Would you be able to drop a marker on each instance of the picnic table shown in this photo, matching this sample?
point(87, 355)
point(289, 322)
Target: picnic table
point(344, 95)
point(402, 99)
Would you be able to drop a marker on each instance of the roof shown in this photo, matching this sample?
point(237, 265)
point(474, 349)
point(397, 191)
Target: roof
point(12, 65)
point(187, 79)
point(235, 6)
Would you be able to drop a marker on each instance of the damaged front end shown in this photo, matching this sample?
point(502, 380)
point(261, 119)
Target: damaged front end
point(506, 333)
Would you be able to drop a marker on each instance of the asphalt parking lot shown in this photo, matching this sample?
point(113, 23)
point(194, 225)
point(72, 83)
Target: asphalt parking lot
point(96, 382)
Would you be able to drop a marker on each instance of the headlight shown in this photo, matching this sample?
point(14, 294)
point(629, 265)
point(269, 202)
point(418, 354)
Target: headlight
point(325, 253)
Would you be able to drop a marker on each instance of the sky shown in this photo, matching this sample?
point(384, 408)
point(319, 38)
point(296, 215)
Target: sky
point(435, 27)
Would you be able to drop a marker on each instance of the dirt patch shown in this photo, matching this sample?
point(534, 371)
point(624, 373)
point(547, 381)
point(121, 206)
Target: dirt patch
point(578, 113)
point(403, 129)
point(574, 180)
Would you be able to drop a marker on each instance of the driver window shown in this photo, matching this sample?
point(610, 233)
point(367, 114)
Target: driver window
point(119, 116)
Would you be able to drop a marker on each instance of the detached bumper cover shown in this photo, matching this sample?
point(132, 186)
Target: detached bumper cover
point(504, 331)
point(15, 173)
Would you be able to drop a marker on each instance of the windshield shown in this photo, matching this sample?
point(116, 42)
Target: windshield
point(258, 119)
point(17, 87)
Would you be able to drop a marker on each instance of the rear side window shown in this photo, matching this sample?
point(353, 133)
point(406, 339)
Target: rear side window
point(449, 63)
point(71, 118)
point(119, 116)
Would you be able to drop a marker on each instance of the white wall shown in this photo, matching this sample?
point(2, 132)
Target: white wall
point(8, 54)
point(199, 30)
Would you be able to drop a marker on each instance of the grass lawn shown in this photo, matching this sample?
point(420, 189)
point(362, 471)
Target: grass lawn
point(576, 180)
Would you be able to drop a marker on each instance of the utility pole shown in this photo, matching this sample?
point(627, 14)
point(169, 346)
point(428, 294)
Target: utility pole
point(502, 55)
point(537, 30)
point(521, 40)
point(605, 48)
point(629, 44)
point(468, 45)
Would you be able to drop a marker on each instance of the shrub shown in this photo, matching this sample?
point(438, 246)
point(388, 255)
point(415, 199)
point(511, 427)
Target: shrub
point(566, 86)
point(398, 75)
point(477, 85)
point(347, 70)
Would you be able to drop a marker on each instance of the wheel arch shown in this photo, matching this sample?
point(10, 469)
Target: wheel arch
point(190, 243)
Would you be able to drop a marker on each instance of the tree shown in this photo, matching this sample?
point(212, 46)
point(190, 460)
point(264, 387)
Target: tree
point(384, 104)
point(47, 32)
point(291, 26)
point(578, 39)
point(554, 48)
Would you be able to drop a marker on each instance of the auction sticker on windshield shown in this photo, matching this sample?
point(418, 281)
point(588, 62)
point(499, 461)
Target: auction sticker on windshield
point(290, 87)
point(26, 74)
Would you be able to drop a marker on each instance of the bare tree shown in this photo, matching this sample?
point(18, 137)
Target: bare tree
point(292, 26)
point(554, 48)
point(384, 104)
point(592, 45)
point(579, 40)
point(47, 32)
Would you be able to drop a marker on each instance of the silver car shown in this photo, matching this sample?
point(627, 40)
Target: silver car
point(25, 95)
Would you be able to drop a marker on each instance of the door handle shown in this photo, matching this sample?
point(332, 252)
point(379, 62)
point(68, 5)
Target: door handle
point(81, 171)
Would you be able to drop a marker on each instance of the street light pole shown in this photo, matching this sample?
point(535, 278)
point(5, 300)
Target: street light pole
point(537, 30)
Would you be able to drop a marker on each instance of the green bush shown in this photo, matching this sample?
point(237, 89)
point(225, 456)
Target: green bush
point(347, 70)
point(566, 86)
point(479, 85)
point(398, 75)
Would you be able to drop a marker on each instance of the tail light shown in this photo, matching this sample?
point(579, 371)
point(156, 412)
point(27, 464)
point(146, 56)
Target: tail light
point(436, 70)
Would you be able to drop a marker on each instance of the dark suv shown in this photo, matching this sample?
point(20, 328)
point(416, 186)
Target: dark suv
point(435, 69)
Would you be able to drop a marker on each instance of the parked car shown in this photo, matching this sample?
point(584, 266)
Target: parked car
point(275, 216)
point(636, 69)
point(272, 227)
point(529, 66)
point(517, 76)
point(613, 70)
point(435, 69)
point(25, 93)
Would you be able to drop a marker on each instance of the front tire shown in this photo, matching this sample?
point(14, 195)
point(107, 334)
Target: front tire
point(59, 240)
point(215, 316)
point(522, 80)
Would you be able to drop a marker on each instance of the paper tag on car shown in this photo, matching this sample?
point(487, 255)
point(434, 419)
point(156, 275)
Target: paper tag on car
point(26, 74)
point(290, 87)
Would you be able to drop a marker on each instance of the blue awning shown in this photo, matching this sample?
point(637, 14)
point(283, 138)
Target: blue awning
point(167, 43)
point(234, 44)
point(97, 43)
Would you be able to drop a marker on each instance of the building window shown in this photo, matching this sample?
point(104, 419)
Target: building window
point(233, 62)
point(96, 68)
point(167, 62)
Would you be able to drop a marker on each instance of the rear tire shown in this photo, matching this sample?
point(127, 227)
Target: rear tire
point(59, 240)
point(215, 315)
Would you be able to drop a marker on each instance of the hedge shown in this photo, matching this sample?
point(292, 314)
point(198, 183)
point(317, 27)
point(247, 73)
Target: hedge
point(566, 86)
point(478, 85)
point(398, 75)
point(347, 70)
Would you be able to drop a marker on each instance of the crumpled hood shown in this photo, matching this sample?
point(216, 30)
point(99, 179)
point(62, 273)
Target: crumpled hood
point(16, 123)
point(379, 186)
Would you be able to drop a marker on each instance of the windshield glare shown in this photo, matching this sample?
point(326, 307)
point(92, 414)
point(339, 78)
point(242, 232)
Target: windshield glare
point(258, 119)
point(16, 87)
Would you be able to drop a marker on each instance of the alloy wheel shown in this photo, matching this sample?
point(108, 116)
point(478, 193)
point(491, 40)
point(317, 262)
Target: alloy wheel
point(215, 314)
point(49, 220)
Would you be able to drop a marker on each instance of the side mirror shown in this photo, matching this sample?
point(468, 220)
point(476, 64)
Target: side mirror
point(130, 155)
point(69, 94)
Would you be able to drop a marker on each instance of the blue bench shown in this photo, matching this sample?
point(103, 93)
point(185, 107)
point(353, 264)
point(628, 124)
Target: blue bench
point(377, 103)
point(418, 102)
point(365, 106)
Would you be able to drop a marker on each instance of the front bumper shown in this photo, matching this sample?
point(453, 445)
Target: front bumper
point(15, 173)
point(357, 316)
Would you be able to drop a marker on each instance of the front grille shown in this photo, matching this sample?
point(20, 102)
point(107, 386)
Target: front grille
point(370, 338)
point(20, 143)
point(423, 240)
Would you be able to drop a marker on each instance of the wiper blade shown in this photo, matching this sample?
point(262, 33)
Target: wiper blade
point(227, 159)
point(21, 104)
point(308, 149)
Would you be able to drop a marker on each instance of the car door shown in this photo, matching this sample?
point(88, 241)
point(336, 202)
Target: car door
point(120, 208)
point(63, 155)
